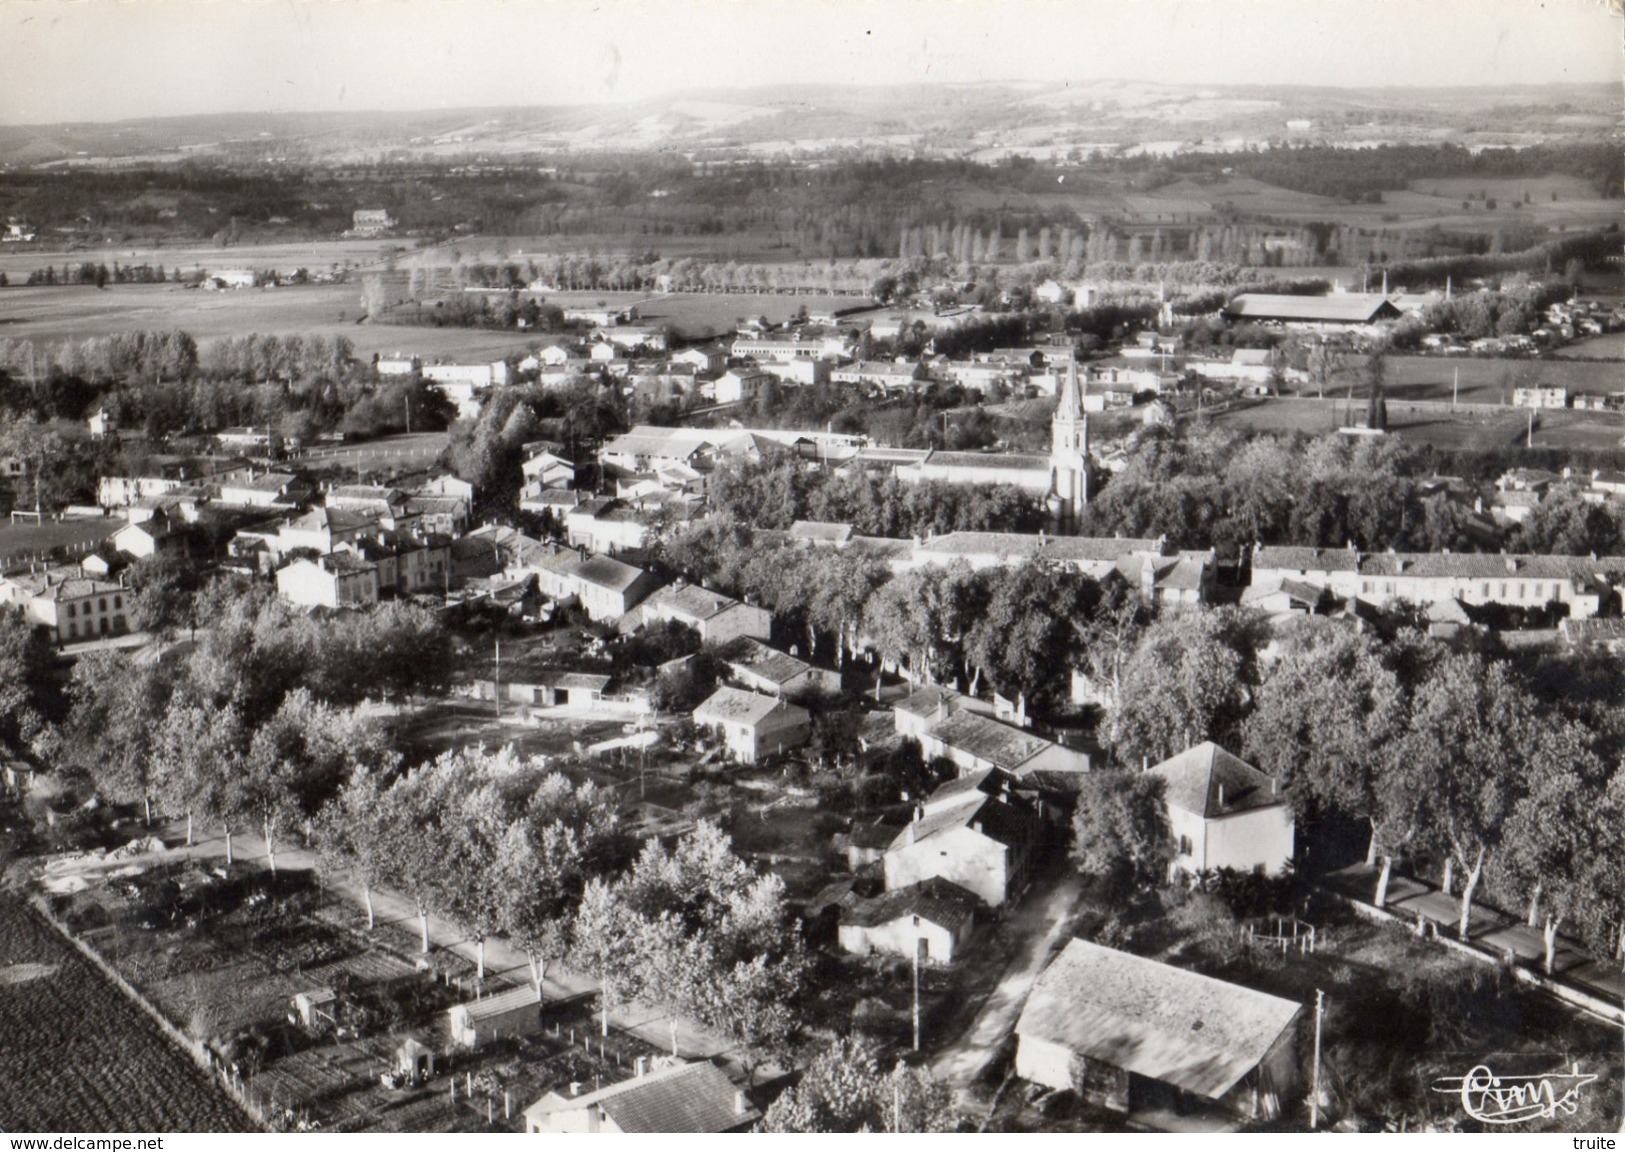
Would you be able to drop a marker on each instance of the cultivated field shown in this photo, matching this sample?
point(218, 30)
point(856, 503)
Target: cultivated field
point(1586, 431)
point(76, 1056)
point(17, 261)
point(1609, 347)
point(47, 315)
point(1483, 381)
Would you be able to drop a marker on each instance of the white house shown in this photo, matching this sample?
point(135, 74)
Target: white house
point(933, 917)
point(607, 588)
point(984, 843)
point(67, 602)
point(717, 618)
point(338, 579)
point(738, 384)
point(549, 470)
point(1224, 813)
point(774, 673)
point(753, 725)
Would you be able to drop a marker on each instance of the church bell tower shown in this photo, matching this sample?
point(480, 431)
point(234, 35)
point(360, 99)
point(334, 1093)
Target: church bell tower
point(1069, 450)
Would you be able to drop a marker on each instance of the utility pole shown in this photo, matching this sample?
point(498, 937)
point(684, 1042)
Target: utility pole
point(1455, 390)
point(496, 684)
point(1314, 1091)
point(919, 942)
point(409, 415)
point(1529, 436)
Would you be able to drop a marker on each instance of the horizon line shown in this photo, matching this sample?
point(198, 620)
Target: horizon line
point(677, 93)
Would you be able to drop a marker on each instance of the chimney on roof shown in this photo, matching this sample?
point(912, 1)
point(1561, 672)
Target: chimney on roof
point(575, 1087)
point(1512, 563)
point(1221, 795)
point(741, 1102)
point(642, 1067)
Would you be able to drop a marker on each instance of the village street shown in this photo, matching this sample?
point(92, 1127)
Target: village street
point(1037, 929)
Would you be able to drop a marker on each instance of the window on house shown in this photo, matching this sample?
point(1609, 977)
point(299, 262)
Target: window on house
point(118, 602)
point(1503, 590)
point(70, 611)
point(73, 631)
point(1185, 846)
point(102, 604)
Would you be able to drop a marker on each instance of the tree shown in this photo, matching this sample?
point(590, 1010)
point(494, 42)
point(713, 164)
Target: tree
point(198, 752)
point(1464, 762)
point(352, 830)
point(412, 835)
point(1327, 361)
point(1120, 831)
point(164, 585)
point(606, 943)
point(843, 1090)
point(297, 760)
point(29, 698)
point(567, 833)
point(1553, 839)
point(110, 731)
point(1109, 640)
point(1327, 719)
point(1033, 623)
point(1189, 680)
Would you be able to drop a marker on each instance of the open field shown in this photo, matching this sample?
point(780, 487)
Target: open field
point(46, 315)
point(76, 1056)
point(1442, 429)
point(17, 261)
point(1484, 381)
point(1609, 347)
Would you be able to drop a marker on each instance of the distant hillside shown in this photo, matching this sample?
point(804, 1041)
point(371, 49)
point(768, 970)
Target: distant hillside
point(981, 121)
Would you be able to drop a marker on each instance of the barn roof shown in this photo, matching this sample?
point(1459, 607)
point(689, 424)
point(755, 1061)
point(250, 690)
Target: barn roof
point(1193, 1032)
point(1342, 308)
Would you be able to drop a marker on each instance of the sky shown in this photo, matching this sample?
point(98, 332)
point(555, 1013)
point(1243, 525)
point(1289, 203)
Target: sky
point(73, 60)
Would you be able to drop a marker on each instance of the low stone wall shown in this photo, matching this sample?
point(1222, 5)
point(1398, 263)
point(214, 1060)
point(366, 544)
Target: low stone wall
point(1604, 1010)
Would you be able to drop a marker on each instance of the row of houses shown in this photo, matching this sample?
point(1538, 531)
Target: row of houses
point(1584, 585)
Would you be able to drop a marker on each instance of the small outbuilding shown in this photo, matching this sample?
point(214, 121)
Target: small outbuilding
point(516, 1012)
point(933, 917)
point(414, 1060)
point(316, 1009)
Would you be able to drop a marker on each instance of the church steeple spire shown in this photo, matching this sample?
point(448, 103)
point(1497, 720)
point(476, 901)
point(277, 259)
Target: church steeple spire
point(1069, 449)
point(1071, 405)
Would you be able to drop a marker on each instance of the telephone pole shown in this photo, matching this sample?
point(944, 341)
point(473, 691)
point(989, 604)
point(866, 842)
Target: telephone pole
point(496, 683)
point(1314, 1091)
point(919, 941)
